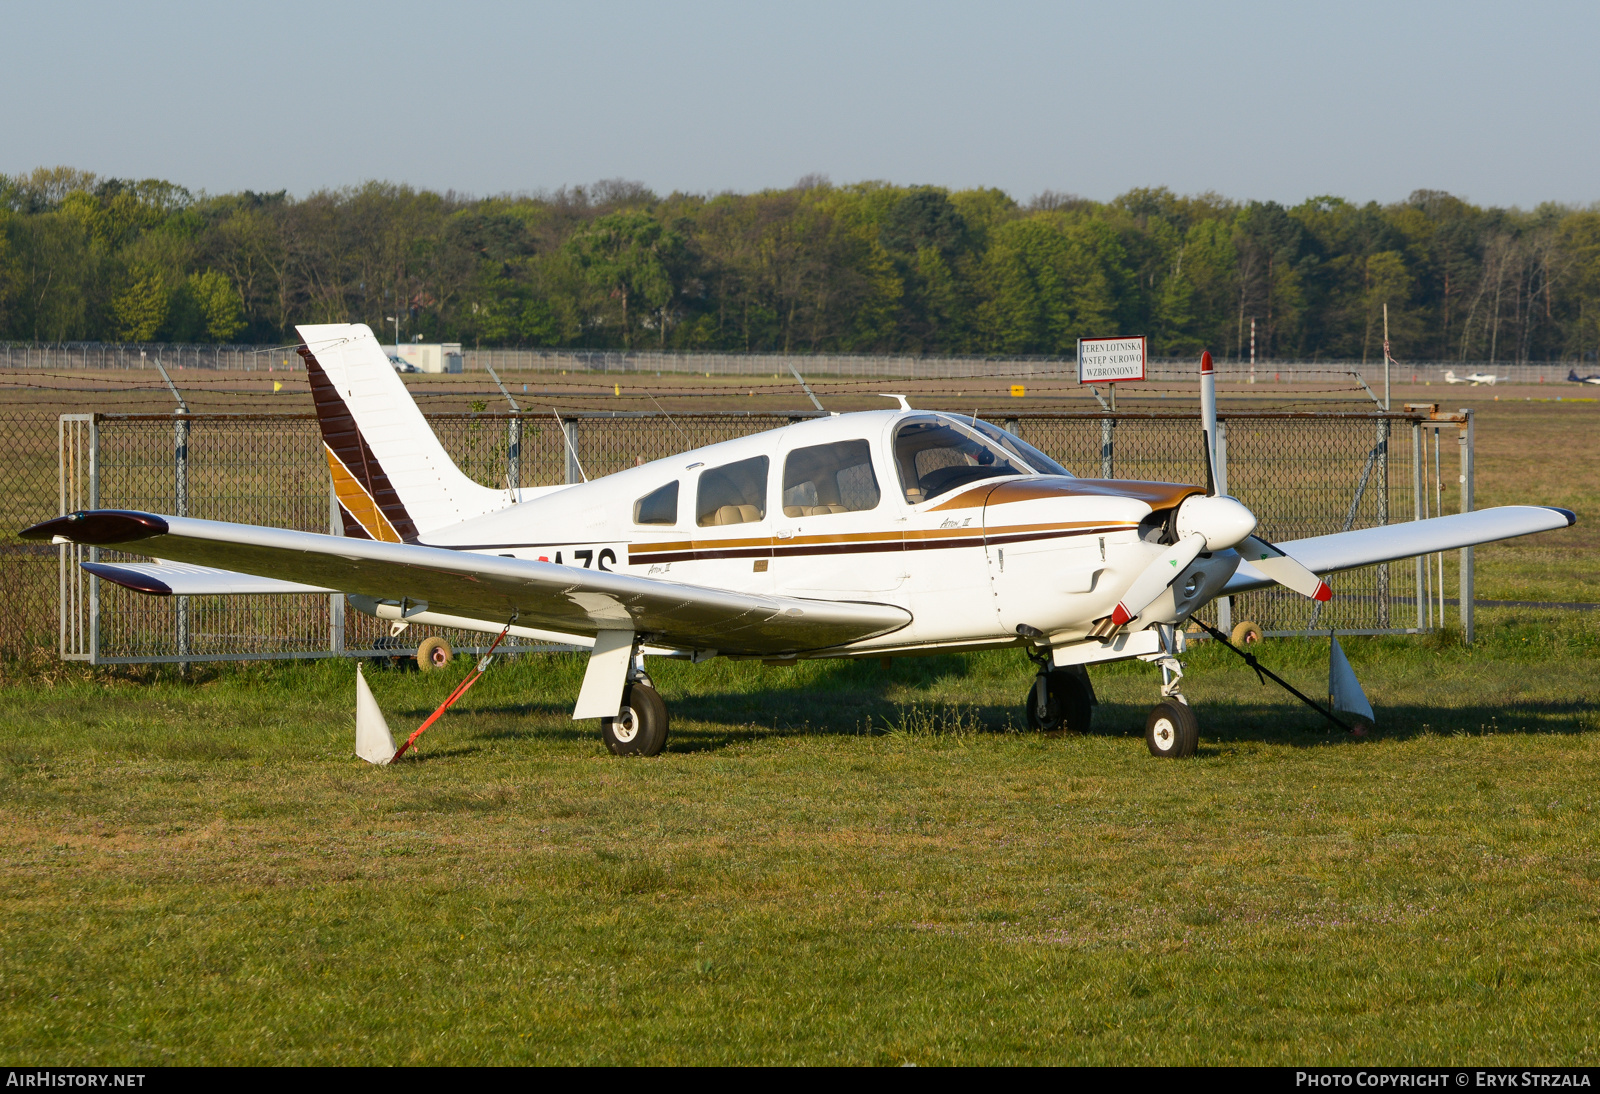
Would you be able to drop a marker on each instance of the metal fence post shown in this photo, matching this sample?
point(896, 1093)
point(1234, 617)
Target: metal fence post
point(569, 426)
point(1224, 603)
point(94, 552)
point(1417, 495)
point(1383, 511)
point(1464, 442)
point(335, 600)
point(514, 456)
point(180, 482)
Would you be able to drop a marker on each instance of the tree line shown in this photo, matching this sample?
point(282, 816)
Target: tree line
point(869, 267)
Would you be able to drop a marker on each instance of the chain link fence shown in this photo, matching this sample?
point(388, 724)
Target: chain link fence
point(1303, 474)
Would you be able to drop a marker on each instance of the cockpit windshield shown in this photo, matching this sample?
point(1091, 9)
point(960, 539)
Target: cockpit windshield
point(937, 454)
point(1041, 464)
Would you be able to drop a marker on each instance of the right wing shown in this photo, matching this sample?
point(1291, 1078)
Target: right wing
point(490, 587)
point(1392, 542)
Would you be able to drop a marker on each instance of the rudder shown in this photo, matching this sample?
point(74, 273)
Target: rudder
point(391, 475)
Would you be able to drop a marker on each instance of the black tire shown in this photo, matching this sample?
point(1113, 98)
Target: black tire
point(1069, 703)
point(640, 728)
point(1172, 732)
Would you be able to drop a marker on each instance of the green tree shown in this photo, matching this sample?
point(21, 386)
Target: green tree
point(141, 308)
point(628, 255)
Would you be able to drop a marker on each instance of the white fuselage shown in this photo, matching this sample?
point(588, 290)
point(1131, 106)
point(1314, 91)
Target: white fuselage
point(972, 564)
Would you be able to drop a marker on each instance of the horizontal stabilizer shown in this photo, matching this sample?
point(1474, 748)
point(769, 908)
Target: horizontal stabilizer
point(1392, 542)
point(182, 579)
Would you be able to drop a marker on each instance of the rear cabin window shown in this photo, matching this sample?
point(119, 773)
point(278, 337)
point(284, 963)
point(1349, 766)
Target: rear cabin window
point(936, 457)
point(829, 478)
point(658, 506)
point(735, 493)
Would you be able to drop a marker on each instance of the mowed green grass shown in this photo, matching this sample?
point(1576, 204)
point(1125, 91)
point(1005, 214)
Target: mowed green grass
point(830, 864)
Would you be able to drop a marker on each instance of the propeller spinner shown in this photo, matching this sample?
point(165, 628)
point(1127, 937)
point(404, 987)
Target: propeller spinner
point(1214, 522)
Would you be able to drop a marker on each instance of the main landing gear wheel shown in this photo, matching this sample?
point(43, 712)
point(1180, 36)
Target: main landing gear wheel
point(434, 653)
point(1171, 731)
point(640, 727)
point(1068, 703)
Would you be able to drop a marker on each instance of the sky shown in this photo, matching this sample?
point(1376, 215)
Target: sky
point(1496, 103)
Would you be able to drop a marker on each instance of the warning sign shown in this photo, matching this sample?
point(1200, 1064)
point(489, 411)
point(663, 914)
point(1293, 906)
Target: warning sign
point(1111, 360)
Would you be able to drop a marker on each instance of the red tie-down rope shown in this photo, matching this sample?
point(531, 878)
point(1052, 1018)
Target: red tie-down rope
point(461, 689)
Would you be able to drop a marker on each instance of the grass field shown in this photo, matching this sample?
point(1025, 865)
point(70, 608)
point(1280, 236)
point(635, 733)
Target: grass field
point(832, 863)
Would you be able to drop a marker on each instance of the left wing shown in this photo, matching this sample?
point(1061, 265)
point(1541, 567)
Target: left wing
point(489, 587)
point(1369, 546)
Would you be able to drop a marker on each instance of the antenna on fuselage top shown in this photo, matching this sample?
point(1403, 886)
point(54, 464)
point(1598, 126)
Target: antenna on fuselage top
point(903, 404)
point(809, 393)
point(669, 417)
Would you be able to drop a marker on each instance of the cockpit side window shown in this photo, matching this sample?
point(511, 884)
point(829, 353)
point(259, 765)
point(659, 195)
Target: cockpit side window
point(935, 457)
point(658, 507)
point(829, 478)
point(735, 493)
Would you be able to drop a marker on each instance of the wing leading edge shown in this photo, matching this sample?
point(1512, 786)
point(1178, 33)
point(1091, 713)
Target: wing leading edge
point(1392, 542)
point(491, 587)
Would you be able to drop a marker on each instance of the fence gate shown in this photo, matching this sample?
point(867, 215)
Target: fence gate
point(1303, 474)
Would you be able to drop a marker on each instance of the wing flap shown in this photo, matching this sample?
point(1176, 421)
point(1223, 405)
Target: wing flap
point(492, 587)
point(1392, 542)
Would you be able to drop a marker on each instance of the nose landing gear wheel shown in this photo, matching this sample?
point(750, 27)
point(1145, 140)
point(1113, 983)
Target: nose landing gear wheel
point(640, 727)
point(1172, 732)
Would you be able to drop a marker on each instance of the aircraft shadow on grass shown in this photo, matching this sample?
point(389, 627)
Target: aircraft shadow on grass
point(852, 699)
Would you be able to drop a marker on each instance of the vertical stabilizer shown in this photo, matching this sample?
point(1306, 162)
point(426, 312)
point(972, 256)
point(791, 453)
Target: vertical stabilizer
point(392, 477)
point(374, 742)
point(1344, 690)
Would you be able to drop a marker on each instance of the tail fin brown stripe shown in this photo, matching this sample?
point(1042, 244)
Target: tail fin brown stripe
point(344, 440)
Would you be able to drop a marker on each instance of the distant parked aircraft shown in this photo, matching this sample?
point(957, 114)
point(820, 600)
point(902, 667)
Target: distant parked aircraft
point(1473, 378)
point(1574, 378)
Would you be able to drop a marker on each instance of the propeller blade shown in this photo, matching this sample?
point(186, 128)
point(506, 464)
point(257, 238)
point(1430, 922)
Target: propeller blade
point(1156, 577)
point(1283, 569)
point(1211, 474)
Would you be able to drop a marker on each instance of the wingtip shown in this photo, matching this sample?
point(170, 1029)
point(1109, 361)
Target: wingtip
point(1572, 518)
point(129, 579)
point(99, 527)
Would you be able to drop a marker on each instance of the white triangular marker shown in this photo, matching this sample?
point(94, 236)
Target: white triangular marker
point(374, 742)
point(1344, 690)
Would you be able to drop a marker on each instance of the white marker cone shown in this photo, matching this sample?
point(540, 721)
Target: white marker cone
point(374, 743)
point(1344, 690)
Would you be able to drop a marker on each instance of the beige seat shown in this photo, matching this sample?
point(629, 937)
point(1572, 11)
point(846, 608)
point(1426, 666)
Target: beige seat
point(735, 514)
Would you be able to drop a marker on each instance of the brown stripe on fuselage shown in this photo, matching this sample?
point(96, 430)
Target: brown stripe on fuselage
point(1157, 495)
point(342, 436)
point(862, 543)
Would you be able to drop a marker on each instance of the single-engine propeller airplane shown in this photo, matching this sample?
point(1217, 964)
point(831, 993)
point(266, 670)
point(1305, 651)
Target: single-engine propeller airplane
point(1473, 378)
point(866, 534)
